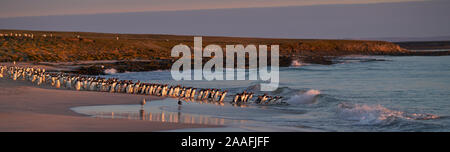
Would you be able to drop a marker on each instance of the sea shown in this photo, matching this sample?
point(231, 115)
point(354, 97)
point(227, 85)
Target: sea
point(357, 94)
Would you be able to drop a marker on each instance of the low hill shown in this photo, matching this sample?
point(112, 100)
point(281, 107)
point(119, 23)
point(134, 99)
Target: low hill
point(52, 46)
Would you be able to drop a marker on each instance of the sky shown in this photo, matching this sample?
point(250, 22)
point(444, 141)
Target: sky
point(318, 19)
point(17, 8)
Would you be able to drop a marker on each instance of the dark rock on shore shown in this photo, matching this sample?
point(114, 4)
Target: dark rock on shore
point(425, 53)
point(317, 60)
point(424, 45)
point(89, 70)
point(123, 66)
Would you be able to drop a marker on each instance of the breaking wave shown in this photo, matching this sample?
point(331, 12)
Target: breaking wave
point(297, 63)
point(292, 96)
point(304, 97)
point(376, 114)
point(110, 71)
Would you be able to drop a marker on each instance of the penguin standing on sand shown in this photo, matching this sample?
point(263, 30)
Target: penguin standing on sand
point(193, 93)
point(57, 84)
point(129, 88)
point(78, 85)
point(170, 92)
point(236, 98)
point(179, 101)
point(264, 98)
point(200, 94)
point(112, 88)
point(249, 97)
point(222, 97)
point(258, 100)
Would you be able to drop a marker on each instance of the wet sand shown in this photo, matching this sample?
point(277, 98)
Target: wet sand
point(24, 107)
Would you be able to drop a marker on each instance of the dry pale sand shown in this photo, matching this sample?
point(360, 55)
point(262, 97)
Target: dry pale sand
point(24, 107)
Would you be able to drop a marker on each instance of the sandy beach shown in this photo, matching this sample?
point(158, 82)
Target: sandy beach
point(26, 108)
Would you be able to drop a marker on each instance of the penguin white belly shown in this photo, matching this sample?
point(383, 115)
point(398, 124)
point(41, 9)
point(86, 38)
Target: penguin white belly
point(112, 87)
point(57, 84)
point(78, 86)
point(69, 84)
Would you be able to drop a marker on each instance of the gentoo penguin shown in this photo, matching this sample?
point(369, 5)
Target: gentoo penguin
point(34, 78)
point(205, 94)
point(39, 82)
point(2, 69)
point(150, 91)
point(187, 94)
point(69, 83)
point(171, 91)
point(155, 87)
point(123, 87)
point(236, 98)
point(136, 87)
point(258, 100)
point(176, 91)
point(158, 90)
point(104, 87)
point(61, 80)
point(216, 95)
point(264, 98)
point(182, 92)
point(193, 93)
point(143, 88)
point(86, 84)
point(179, 101)
point(129, 88)
point(57, 84)
point(243, 95)
point(93, 85)
point(278, 98)
point(249, 97)
point(112, 88)
point(210, 93)
point(222, 97)
point(200, 94)
point(15, 76)
point(164, 91)
point(1, 72)
point(147, 90)
point(78, 85)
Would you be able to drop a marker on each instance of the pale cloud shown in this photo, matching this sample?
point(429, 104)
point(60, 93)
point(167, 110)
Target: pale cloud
point(16, 8)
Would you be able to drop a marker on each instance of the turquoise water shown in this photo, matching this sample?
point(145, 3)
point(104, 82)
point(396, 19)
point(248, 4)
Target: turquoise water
point(360, 93)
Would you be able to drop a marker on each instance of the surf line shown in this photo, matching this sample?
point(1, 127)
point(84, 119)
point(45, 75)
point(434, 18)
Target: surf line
point(206, 73)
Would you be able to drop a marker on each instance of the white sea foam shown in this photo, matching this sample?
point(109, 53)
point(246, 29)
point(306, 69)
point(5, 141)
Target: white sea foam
point(111, 71)
point(304, 98)
point(376, 114)
point(297, 63)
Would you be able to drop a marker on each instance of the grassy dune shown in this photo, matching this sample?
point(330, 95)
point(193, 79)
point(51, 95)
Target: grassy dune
point(65, 46)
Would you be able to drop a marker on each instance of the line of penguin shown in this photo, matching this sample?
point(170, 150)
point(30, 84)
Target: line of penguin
point(113, 85)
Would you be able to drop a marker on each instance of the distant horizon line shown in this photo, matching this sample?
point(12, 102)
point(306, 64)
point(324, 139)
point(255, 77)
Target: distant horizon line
point(447, 37)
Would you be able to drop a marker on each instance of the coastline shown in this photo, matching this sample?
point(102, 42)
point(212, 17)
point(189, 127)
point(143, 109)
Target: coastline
point(24, 107)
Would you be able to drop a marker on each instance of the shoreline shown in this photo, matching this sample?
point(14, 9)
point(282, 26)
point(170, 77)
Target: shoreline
point(39, 109)
point(99, 67)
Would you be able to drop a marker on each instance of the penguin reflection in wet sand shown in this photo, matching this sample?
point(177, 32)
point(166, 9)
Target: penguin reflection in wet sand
point(143, 102)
